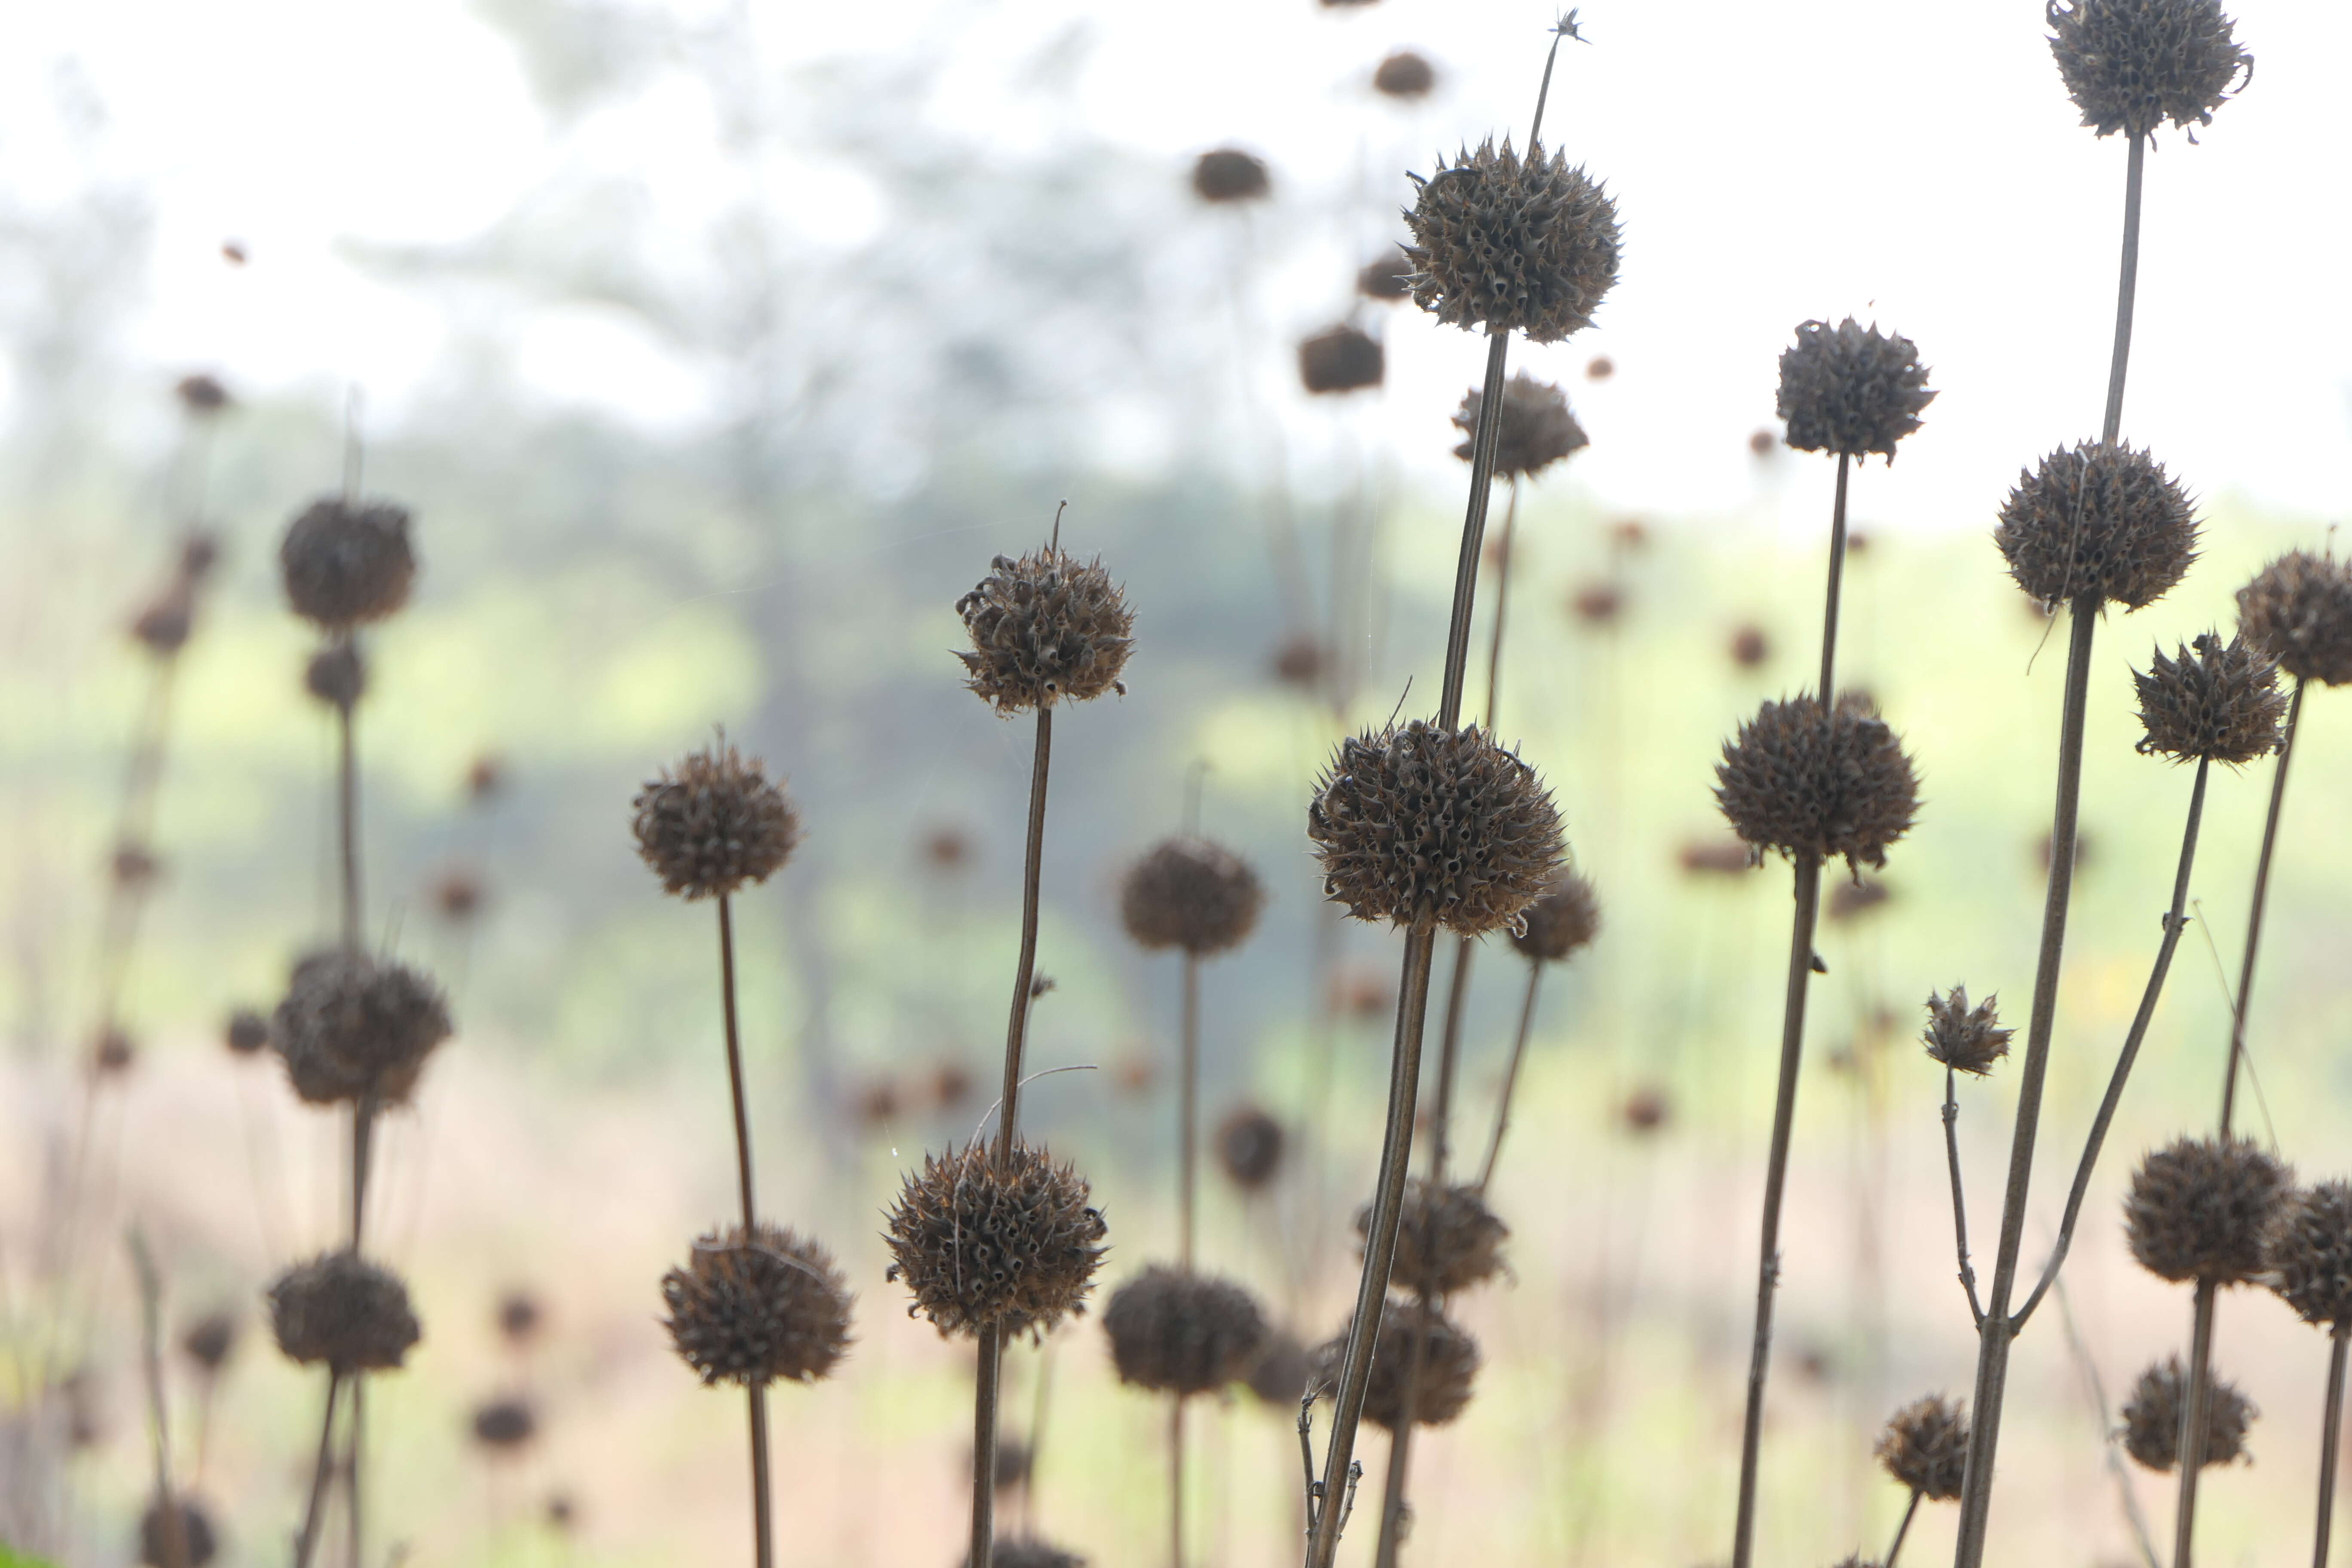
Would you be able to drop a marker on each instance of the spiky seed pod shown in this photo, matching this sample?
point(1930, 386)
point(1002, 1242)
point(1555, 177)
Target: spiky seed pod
point(1283, 1370)
point(1416, 826)
point(505, 1424)
point(2298, 610)
point(2221, 704)
point(1387, 278)
point(343, 1311)
point(2198, 1208)
point(1963, 1038)
point(714, 824)
point(1447, 1238)
point(1405, 73)
point(163, 625)
point(350, 1026)
point(2154, 1412)
point(2307, 1253)
point(765, 1307)
point(346, 563)
point(976, 1244)
point(1537, 428)
point(1565, 917)
point(1340, 359)
point(1449, 1365)
point(1513, 244)
point(208, 1341)
point(2131, 65)
point(1249, 1145)
point(336, 676)
point(1183, 1333)
point(198, 1543)
point(520, 1316)
point(1804, 780)
point(245, 1032)
point(1189, 893)
point(201, 395)
point(1229, 175)
point(1027, 1551)
point(1926, 1446)
point(1045, 629)
point(1851, 389)
point(2099, 520)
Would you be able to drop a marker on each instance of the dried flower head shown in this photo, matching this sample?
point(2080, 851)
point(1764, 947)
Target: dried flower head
point(1513, 244)
point(114, 1052)
point(337, 676)
point(763, 1307)
point(246, 1032)
point(2298, 610)
point(505, 1424)
point(1536, 430)
point(1229, 175)
point(2131, 65)
point(1415, 825)
point(201, 395)
point(1027, 1551)
point(2157, 1406)
point(346, 562)
point(1249, 1144)
point(1565, 917)
point(1189, 893)
point(164, 624)
point(2097, 520)
point(1405, 73)
point(458, 895)
point(2307, 1253)
point(208, 1341)
point(1447, 1238)
point(1963, 1038)
point(977, 1243)
point(1282, 1372)
point(1340, 359)
point(1184, 1333)
point(486, 778)
point(520, 1316)
point(1388, 277)
point(199, 553)
point(1804, 780)
point(1851, 389)
point(1449, 1365)
point(1926, 1446)
point(1646, 1110)
point(714, 824)
point(198, 1543)
point(2198, 1208)
point(2219, 704)
point(1045, 629)
point(1597, 603)
point(343, 1311)
point(352, 1027)
point(134, 864)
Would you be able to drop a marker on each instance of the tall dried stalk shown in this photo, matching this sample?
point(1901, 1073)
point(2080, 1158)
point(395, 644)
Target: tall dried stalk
point(2331, 1438)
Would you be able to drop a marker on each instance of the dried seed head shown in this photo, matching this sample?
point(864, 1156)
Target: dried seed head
point(1963, 1038)
point(1185, 1333)
point(1045, 629)
point(343, 1311)
point(1340, 359)
point(1537, 428)
point(1282, 1368)
point(351, 1027)
point(505, 1424)
point(346, 562)
point(1447, 1238)
point(1597, 603)
point(520, 1316)
point(1449, 1365)
point(1027, 1551)
point(1646, 1110)
point(1189, 893)
point(163, 625)
point(1565, 916)
point(2307, 1253)
point(1416, 826)
point(197, 1545)
point(201, 395)
point(336, 676)
point(208, 1341)
point(2198, 1208)
point(2131, 65)
point(714, 824)
point(1851, 389)
point(134, 864)
point(2158, 1405)
point(1804, 780)
point(458, 895)
point(247, 1031)
point(976, 1244)
point(2219, 704)
point(1387, 278)
point(1249, 1144)
point(1230, 174)
point(2099, 520)
point(1926, 1446)
point(1513, 244)
point(1404, 75)
point(763, 1307)
point(2298, 610)
point(114, 1052)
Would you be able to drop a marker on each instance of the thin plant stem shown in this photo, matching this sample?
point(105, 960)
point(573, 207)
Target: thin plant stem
point(1394, 1509)
point(174, 1540)
point(1175, 1480)
point(762, 1523)
point(347, 814)
point(1502, 605)
point(2331, 1436)
point(763, 1529)
point(2193, 1419)
point(1441, 1119)
point(1895, 1549)
point(2262, 902)
point(987, 1380)
point(1831, 597)
point(307, 1541)
point(1187, 1115)
point(1959, 1193)
point(2126, 292)
point(1510, 1077)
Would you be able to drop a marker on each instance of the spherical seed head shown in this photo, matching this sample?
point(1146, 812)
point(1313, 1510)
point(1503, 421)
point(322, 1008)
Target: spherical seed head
point(763, 1307)
point(208, 1341)
point(1851, 389)
point(351, 1026)
point(458, 895)
point(1511, 243)
point(1045, 628)
point(1184, 1333)
point(1963, 1038)
point(977, 1244)
point(336, 676)
point(1804, 780)
point(1449, 1365)
point(1388, 277)
point(247, 1031)
point(2298, 610)
point(2307, 1253)
point(1447, 1238)
point(520, 1316)
point(1405, 73)
point(2153, 1415)
point(114, 1052)
point(346, 562)
point(197, 1545)
point(2099, 520)
point(1249, 1144)
point(1229, 175)
point(343, 1311)
point(1340, 359)
point(1926, 1446)
point(714, 824)
point(2219, 703)
point(1191, 894)
point(2131, 65)
point(505, 1424)
point(1565, 916)
point(1028, 1552)
point(1537, 428)
point(164, 624)
point(1283, 1370)
point(134, 864)
point(201, 395)
point(1416, 826)
point(2199, 1206)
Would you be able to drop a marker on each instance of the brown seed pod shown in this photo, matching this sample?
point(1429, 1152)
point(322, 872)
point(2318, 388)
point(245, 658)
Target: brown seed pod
point(505, 1424)
point(246, 1032)
point(1187, 893)
point(1184, 1333)
point(197, 1545)
point(1388, 277)
point(1045, 629)
point(2298, 610)
point(1749, 647)
point(350, 1027)
point(1851, 389)
point(1538, 429)
point(2198, 1208)
point(200, 395)
point(346, 563)
point(1027, 1551)
point(1963, 1038)
point(337, 676)
point(1249, 1144)
point(1419, 825)
point(1449, 1365)
point(1341, 358)
point(2221, 704)
point(976, 1244)
point(164, 623)
point(1284, 1366)
point(1229, 175)
point(1512, 245)
point(2158, 1405)
point(1447, 1238)
point(2131, 65)
point(1804, 780)
point(763, 1307)
point(1405, 73)
point(714, 824)
point(343, 1311)
point(208, 1341)
point(1926, 1446)
point(2307, 1253)
point(1564, 918)
point(2099, 520)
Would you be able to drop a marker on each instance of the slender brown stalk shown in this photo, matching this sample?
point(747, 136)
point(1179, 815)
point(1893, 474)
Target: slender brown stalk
point(1510, 1077)
point(2331, 1436)
point(1176, 1481)
point(2193, 1405)
point(2262, 902)
point(1187, 1115)
point(762, 1513)
point(1902, 1529)
point(321, 1469)
point(174, 1533)
point(1832, 596)
point(347, 816)
point(2127, 291)
point(1960, 1193)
